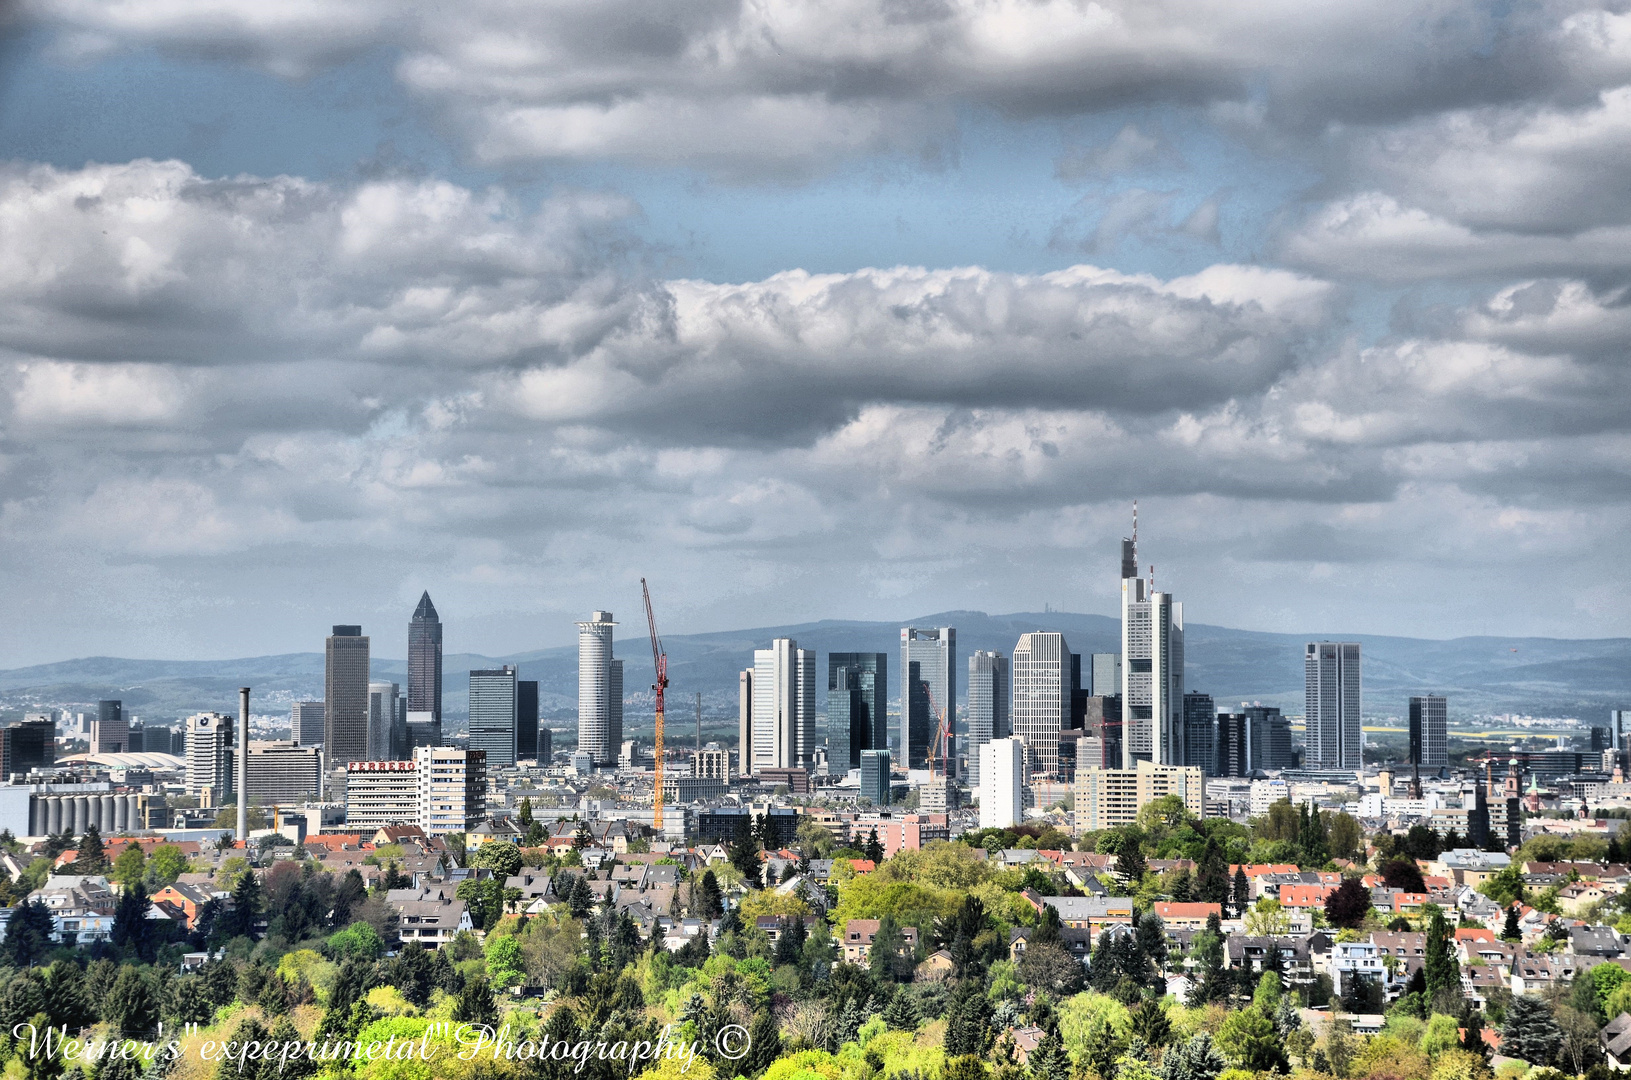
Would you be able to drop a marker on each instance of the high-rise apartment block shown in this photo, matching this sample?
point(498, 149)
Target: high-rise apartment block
point(600, 690)
point(425, 661)
point(1332, 705)
point(784, 716)
point(857, 708)
point(875, 776)
point(1108, 798)
point(110, 731)
point(526, 721)
point(1200, 733)
point(210, 758)
point(928, 671)
point(306, 723)
point(988, 707)
point(345, 696)
point(452, 789)
point(1152, 668)
point(1429, 732)
point(1002, 783)
point(283, 773)
point(1041, 704)
point(29, 745)
point(493, 715)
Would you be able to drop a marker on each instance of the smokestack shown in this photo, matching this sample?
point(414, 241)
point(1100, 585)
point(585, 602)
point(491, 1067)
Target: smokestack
point(243, 765)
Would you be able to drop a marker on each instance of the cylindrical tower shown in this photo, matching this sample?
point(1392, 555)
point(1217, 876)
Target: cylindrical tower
point(54, 814)
point(105, 815)
point(597, 734)
point(243, 765)
point(82, 814)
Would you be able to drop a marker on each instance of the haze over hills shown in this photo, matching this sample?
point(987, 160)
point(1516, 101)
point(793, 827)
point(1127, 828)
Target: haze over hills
point(1541, 676)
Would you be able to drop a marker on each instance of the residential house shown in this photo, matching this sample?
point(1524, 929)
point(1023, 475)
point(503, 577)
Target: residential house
point(1615, 1039)
point(1187, 916)
point(429, 916)
point(859, 935)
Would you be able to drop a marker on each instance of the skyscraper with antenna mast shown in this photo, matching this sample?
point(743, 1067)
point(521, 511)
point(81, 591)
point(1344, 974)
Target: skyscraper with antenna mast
point(1152, 665)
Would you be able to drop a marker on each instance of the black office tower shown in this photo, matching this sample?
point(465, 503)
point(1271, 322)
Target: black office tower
point(526, 720)
point(857, 708)
point(425, 660)
point(29, 745)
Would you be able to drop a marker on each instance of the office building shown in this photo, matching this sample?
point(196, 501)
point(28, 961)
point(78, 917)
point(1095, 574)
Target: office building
point(281, 773)
point(382, 718)
point(29, 745)
point(783, 706)
point(1041, 703)
point(1108, 798)
point(136, 733)
point(927, 657)
point(110, 732)
point(306, 723)
point(1268, 738)
point(600, 690)
point(546, 745)
point(1619, 735)
point(1200, 733)
point(1101, 735)
point(711, 764)
point(452, 789)
point(425, 660)
point(526, 720)
point(156, 739)
point(493, 715)
point(381, 793)
point(857, 708)
point(1152, 668)
point(1002, 783)
point(1234, 745)
point(1105, 674)
point(1430, 732)
point(988, 714)
point(744, 722)
point(1331, 707)
point(210, 758)
point(875, 778)
point(345, 696)
point(423, 730)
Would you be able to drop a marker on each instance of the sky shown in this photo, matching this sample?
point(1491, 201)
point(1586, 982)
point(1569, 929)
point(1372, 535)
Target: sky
point(842, 309)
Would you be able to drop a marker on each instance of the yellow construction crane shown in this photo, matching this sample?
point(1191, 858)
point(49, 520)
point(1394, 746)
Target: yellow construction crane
point(659, 660)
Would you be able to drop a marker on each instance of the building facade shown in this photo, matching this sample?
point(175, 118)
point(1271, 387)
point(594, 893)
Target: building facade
point(30, 745)
point(1107, 798)
point(1200, 733)
point(783, 706)
point(526, 720)
point(425, 660)
point(1152, 668)
point(600, 690)
point(1002, 783)
point(110, 731)
point(283, 773)
point(1268, 737)
point(383, 698)
point(875, 776)
point(345, 695)
point(210, 758)
point(1332, 702)
point(381, 793)
point(452, 789)
point(493, 715)
point(857, 708)
point(306, 723)
point(1105, 674)
point(1234, 746)
point(934, 652)
point(1041, 703)
point(989, 686)
point(1429, 732)
point(744, 722)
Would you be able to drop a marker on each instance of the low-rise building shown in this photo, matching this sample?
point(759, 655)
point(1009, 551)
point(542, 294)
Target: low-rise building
point(860, 933)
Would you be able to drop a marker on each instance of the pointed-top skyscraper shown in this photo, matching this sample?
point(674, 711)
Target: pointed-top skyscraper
point(425, 660)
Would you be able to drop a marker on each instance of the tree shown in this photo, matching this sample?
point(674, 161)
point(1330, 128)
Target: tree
point(1149, 1023)
point(965, 1067)
point(764, 1043)
point(874, 847)
point(503, 859)
point(131, 1007)
point(1531, 1031)
point(1346, 837)
point(1212, 874)
point(1242, 891)
point(360, 940)
point(132, 929)
point(474, 1004)
point(1402, 874)
point(710, 902)
point(90, 858)
point(744, 853)
point(1440, 968)
point(1511, 931)
point(1579, 1047)
point(1050, 967)
point(1152, 942)
point(1048, 1060)
point(1248, 1039)
point(165, 865)
point(1196, 1059)
point(888, 957)
point(130, 866)
point(28, 935)
point(1421, 843)
point(1348, 905)
point(1313, 838)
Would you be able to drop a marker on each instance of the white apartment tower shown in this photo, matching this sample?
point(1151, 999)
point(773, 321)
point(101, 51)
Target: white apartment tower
point(600, 690)
point(1332, 705)
point(784, 716)
point(1002, 783)
point(1152, 666)
point(1041, 698)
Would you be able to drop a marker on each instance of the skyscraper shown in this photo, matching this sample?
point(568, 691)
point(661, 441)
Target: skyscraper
point(1234, 745)
point(110, 732)
point(1002, 782)
point(600, 690)
point(306, 723)
point(1200, 733)
point(988, 716)
point(857, 708)
point(30, 745)
point(210, 758)
point(1268, 738)
point(1332, 705)
point(425, 660)
point(934, 651)
point(1041, 698)
point(526, 721)
point(875, 778)
point(345, 696)
point(744, 722)
point(783, 706)
point(493, 715)
point(1429, 732)
point(1152, 667)
point(1105, 674)
point(382, 714)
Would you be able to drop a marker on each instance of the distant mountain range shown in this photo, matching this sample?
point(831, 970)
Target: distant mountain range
point(1539, 676)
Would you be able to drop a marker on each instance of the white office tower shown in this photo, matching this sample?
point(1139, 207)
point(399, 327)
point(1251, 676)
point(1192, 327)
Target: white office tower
point(988, 716)
point(1152, 667)
point(1002, 783)
point(1331, 705)
point(210, 758)
point(1041, 698)
point(600, 690)
point(784, 717)
point(382, 699)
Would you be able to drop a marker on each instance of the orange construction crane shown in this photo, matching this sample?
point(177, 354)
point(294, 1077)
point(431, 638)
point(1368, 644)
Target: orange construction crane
point(659, 659)
point(942, 738)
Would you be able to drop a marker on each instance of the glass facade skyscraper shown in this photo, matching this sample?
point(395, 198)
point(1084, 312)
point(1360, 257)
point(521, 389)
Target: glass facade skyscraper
point(1332, 703)
point(1200, 733)
point(934, 651)
point(345, 696)
point(493, 715)
point(857, 708)
point(425, 660)
point(526, 720)
point(600, 690)
point(988, 716)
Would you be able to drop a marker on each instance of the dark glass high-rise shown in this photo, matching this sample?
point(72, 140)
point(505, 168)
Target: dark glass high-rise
point(425, 660)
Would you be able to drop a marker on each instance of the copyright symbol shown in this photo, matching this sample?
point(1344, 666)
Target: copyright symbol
point(732, 1042)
